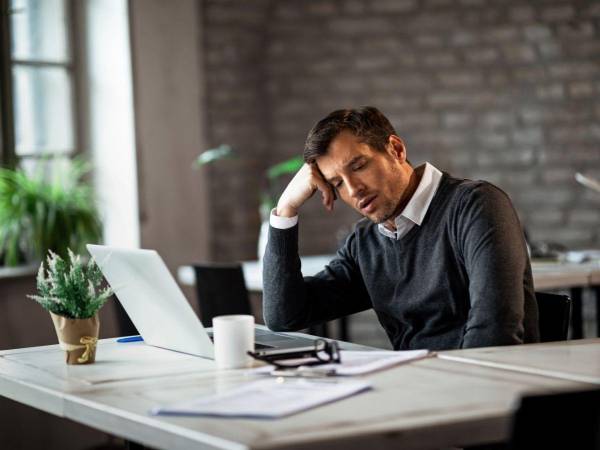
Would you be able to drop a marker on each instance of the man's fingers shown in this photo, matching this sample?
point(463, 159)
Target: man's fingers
point(327, 192)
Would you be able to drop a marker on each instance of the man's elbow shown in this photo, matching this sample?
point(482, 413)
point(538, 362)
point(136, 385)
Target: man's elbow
point(492, 337)
point(275, 323)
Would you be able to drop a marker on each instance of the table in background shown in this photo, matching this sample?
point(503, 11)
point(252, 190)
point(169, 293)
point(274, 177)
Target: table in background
point(253, 271)
point(574, 277)
point(546, 276)
point(430, 403)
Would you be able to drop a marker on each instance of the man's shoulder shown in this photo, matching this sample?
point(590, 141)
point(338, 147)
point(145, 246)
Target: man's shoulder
point(464, 188)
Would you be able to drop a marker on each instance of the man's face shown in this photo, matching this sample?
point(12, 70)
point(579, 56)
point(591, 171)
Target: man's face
point(370, 181)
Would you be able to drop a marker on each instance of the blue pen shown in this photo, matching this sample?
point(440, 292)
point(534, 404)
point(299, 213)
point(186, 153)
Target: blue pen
point(130, 339)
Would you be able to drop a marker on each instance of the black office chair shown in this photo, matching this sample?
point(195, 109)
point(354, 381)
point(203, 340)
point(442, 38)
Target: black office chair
point(554, 316)
point(221, 290)
point(567, 420)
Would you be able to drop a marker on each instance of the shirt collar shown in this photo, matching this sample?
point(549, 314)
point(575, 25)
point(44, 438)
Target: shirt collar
point(416, 208)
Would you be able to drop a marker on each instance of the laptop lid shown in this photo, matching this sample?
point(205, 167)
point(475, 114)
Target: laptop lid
point(153, 300)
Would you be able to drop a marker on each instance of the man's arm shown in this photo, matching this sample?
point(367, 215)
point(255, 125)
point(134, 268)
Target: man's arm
point(496, 261)
point(290, 301)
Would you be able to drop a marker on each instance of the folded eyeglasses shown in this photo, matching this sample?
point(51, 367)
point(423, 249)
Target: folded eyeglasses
point(323, 352)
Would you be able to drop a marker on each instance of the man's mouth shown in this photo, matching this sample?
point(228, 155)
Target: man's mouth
point(367, 205)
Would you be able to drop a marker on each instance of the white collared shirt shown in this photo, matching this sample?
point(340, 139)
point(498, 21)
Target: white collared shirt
point(416, 208)
point(412, 214)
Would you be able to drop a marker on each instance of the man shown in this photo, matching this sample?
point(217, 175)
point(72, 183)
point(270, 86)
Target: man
point(443, 261)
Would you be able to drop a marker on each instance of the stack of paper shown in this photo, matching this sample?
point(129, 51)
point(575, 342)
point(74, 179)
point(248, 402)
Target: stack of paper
point(359, 363)
point(268, 399)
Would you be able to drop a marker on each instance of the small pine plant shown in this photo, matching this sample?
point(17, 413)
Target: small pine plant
point(71, 288)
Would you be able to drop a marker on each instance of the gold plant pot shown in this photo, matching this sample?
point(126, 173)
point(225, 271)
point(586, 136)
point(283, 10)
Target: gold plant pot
point(78, 337)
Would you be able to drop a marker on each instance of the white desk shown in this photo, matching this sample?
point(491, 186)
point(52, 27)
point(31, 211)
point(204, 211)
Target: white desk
point(253, 271)
point(577, 360)
point(545, 275)
point(430, 403)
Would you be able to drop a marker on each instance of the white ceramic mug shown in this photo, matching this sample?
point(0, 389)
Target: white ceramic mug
point(233, 338)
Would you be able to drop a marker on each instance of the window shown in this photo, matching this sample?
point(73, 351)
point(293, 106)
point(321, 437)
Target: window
point(38, 81)
point(66, 87)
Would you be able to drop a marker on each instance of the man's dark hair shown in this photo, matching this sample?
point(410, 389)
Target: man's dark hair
point(367, 123)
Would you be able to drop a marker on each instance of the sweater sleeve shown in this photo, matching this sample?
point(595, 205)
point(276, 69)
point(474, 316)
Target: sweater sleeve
point(496, 261)
point(291, 301)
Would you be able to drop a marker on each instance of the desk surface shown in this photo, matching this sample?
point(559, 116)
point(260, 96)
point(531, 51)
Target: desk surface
point(577, 360)
point(429, 403)
point(545, 275)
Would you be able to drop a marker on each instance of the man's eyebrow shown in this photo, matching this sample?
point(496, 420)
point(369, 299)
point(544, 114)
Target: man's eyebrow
point(353, 160)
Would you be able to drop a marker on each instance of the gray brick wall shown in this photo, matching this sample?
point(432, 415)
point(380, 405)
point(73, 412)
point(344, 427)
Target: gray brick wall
point(507, 91)
point(234, 38)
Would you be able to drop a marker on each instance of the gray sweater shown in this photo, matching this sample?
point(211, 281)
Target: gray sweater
point(461, 279)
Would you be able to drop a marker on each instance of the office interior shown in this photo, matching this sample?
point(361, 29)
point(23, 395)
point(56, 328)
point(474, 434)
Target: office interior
point(504, 91)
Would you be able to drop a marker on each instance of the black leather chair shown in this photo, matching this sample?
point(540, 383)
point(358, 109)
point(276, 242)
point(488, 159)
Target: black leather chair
point(567, 420)
point(554, 316)
point(221, 290)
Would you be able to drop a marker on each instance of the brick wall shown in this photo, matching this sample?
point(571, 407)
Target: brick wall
point(234, 38)
point(507, 91)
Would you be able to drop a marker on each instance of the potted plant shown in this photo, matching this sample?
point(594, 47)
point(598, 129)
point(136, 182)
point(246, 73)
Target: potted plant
point(72, 292)
point(38, 214)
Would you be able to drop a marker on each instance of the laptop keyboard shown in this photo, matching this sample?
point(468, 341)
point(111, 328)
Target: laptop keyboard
point(257, 346)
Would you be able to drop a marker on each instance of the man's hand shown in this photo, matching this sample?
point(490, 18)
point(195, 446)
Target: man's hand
point(302, 187)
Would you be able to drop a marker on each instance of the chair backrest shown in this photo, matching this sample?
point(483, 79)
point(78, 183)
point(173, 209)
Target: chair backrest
point(221, 290)
point(566, 420)
point(554, 316)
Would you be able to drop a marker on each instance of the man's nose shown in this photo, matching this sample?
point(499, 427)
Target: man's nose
point(355, 187)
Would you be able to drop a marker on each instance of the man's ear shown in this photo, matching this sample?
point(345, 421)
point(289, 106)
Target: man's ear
point(396, 148)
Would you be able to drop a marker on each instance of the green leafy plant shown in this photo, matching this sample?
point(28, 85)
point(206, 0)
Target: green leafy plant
point(272, 174)
point(71, 288)
point(37, 215)
point(211, 155)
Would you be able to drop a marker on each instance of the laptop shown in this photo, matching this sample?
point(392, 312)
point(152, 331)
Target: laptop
point(158, 308)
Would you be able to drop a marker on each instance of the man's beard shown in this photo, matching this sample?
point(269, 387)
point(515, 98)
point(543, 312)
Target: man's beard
point(386, 212)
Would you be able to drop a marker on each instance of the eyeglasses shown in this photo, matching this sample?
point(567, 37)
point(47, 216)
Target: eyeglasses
point(323, 352)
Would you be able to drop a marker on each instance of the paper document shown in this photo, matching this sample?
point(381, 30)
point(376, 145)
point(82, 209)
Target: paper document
point(359, 363)
point(267, 399)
